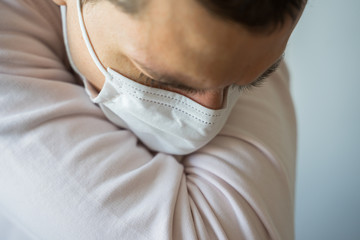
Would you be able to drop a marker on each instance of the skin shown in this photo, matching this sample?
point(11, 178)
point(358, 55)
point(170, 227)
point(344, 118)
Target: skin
point(174, 38)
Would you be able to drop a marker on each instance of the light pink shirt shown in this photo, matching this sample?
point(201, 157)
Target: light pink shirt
point(66, 172)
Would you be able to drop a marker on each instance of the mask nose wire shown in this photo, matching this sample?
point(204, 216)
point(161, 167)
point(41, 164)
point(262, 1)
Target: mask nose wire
point(88, 43)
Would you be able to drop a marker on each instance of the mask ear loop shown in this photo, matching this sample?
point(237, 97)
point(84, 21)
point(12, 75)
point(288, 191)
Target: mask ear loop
point(88, 43)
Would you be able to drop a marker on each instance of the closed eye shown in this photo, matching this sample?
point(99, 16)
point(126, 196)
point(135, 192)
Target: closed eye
point(262, 79)
point(166, 86)
point(169, 84)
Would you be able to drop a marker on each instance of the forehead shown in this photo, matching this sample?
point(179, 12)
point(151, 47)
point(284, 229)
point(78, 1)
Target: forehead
point(191, 38)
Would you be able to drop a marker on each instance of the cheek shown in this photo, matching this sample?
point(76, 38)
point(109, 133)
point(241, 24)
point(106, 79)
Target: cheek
point(79, 51)
point(104, 43)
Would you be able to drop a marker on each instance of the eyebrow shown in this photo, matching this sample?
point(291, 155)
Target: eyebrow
point(175, 82)
point(132, 7)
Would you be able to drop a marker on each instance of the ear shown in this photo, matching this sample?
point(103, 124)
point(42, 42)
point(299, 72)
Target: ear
point(60, 2)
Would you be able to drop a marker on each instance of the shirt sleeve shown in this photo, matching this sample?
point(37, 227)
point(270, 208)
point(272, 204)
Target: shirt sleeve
point(66, 172)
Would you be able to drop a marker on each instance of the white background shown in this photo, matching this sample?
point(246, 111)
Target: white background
point(324, 59)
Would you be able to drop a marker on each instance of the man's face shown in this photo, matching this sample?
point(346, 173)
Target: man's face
point(174, 41)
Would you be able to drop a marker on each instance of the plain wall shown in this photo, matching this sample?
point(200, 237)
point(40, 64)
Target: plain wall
point(324, 59)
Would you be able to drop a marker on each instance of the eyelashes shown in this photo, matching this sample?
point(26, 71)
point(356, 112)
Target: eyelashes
point(249, 87)
point(262, 79)
point(241, 88)
point(178, 87)
point(255, 84)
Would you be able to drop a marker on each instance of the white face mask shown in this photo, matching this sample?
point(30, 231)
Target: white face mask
point(164, 121)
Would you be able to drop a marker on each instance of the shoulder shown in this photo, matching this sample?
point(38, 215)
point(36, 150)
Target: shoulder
point(31, 30)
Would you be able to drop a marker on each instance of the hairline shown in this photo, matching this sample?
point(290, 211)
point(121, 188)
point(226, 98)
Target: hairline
point(135, 7)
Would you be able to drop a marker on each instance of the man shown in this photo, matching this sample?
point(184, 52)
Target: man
point(175, 150)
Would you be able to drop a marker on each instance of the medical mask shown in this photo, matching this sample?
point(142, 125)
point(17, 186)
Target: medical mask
point(164, 121)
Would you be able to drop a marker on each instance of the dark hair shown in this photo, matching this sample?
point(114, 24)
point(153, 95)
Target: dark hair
point(256, 15)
